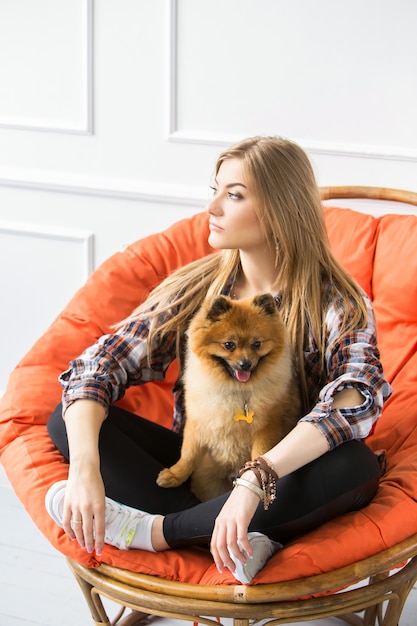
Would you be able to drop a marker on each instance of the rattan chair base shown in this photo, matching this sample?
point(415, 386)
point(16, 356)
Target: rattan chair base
point(385, 580)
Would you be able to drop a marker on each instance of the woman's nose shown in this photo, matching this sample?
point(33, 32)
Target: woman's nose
point(214, 206)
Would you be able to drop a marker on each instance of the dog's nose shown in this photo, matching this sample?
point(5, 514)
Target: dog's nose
point(245, 365)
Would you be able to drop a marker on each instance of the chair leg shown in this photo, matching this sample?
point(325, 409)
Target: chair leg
point(394, 604)
point(374, 614)
point(94, 602)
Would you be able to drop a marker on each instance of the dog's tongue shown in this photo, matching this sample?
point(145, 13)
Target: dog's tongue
point(242, 376)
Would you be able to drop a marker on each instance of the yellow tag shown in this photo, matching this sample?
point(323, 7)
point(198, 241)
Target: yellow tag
point(243, 415)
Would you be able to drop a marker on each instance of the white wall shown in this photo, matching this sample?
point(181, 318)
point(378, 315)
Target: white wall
point(112, 114)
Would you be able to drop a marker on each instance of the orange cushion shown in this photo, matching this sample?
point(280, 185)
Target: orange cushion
point(352, 237)
point(395, 290)
point(33, 464)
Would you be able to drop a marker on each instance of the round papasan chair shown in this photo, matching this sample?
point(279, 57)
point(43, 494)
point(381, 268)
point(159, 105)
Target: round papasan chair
point(314, 576)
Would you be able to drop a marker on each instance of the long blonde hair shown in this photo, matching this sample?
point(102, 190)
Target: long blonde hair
point(289, 208)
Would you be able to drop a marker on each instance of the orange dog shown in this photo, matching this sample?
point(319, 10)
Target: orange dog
point(241, 394)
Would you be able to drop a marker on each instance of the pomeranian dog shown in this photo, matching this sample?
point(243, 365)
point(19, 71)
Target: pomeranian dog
point(241, 392)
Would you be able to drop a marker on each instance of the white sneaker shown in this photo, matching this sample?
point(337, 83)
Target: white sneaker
point(263, 548)
point(121, 521)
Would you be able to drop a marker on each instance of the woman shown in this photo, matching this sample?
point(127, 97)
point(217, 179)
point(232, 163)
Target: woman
point(266, 221)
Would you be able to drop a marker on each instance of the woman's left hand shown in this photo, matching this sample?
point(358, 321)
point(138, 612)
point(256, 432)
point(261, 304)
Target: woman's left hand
point(231, 526)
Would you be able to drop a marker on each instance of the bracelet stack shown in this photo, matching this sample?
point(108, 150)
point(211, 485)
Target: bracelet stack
point(267, 480)
point(251, 486)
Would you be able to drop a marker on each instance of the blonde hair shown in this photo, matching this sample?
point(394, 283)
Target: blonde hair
point(289, 208)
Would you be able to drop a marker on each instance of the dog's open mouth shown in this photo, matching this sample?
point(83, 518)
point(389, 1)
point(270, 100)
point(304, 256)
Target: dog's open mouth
point(242, 375)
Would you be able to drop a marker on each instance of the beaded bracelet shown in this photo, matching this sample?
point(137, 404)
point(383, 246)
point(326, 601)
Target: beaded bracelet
point(266, 476)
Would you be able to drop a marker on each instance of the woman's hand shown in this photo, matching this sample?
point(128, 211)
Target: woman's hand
point(84, 508)
point(84, 496)
point(232, 525)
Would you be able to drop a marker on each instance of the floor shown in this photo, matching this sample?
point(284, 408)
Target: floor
point(37, 589)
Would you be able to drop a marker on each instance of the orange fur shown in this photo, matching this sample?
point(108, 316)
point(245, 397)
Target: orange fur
point(228, 340)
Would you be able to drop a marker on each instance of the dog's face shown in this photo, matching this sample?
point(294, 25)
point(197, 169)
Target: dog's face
point(237, 338)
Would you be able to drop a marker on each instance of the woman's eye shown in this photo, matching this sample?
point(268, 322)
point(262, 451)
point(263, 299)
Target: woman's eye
point(235, 196)
point(212, 191)
point(230, 346)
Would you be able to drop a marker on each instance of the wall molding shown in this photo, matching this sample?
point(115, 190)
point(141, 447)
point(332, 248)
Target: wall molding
point(87, 125)
point(338, 149)
point(220, 139)
point(138, 191)
point(36, 231)
point(172, 37)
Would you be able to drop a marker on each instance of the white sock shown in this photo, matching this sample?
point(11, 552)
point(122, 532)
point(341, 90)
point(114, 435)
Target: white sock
point(143, 533)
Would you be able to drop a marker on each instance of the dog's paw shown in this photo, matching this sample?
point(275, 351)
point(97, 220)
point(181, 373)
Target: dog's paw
point(167, 479)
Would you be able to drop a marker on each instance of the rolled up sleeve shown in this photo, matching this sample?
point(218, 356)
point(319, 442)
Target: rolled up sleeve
point(352, 361)
point(115, 362)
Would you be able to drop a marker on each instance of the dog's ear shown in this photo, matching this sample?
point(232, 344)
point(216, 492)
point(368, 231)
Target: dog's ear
point(265, 302)
point(219, 306)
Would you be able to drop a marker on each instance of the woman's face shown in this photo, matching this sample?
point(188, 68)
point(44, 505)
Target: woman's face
point(233, 221)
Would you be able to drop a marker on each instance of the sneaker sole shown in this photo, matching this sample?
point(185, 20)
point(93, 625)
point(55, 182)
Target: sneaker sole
point(49, 498)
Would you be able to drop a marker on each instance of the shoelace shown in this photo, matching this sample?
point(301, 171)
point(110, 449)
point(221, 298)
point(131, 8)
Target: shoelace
point(116, 517)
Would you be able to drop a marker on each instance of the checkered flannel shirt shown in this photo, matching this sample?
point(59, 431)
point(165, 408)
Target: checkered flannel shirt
point(115, 362)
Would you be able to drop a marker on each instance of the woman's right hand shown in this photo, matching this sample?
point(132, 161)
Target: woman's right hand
point(84, 496)
point(85, 503)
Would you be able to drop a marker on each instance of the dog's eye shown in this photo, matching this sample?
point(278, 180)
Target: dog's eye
point(256, 345)
point(230, 346)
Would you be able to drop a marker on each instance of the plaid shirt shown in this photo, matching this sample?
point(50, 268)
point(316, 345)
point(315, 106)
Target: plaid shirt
point(105, 370)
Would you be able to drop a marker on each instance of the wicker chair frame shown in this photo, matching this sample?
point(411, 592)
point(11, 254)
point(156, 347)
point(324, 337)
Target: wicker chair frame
point(369, 592)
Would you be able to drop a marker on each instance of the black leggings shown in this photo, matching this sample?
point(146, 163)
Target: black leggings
point(133, 451)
